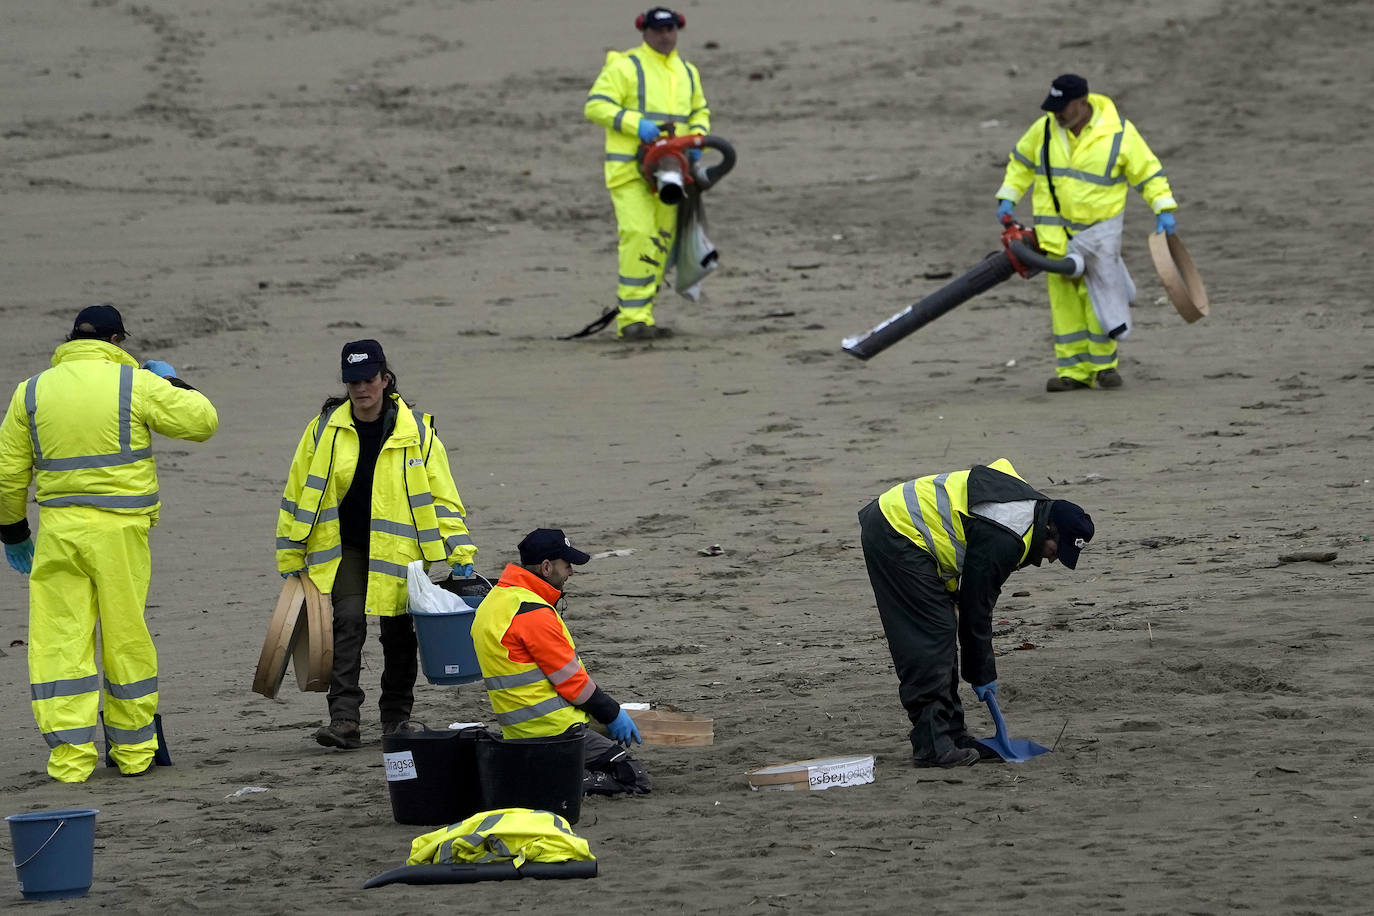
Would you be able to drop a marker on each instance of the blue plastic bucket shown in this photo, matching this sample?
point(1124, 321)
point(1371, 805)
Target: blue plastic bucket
point(54, 852)
point(446, 652)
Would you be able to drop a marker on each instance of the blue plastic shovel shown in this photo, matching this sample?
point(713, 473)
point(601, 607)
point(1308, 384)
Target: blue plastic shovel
point(1012, 750)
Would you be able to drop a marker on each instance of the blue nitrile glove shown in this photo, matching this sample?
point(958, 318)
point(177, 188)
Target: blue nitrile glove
point(1165, 222)
point(463, 572)
point(693, 154)
point(294, 572)
point(624, 730)
point(983, 691)
point(648, 130)
point(159, 368)
point(1005, 208)
point(20, 556)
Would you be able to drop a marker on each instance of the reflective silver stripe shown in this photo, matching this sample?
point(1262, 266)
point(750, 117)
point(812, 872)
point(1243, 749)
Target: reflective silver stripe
point(635, 281)
point(700, 127)
point(558, 824)
point(65, 687)
point(946, 510)
point(131, 691)
point(1116, 150)
point(130, 735)
point(288, 544)
point(476, 838)
point(93, 461)
point(567, 671)
point(446, 512)
point(619, 157)
point(421, 499)
point(664, 116)
point(1016, 154)
point(1060, 221)
point(419, 416)
point(445, 856)
point(429, 534)
point(639, 76)
point(317, 483)
point(31, 408)
point(1141, 187)
point(691, 78)
point(324, 556)
point(1108, 180)
point(598, 97)
point(458, 540)
point(913, 508)
point(619, 116)
point(507, 681)
point(125, 455)
point(1076, 336)
point(396, 528)
point(524, 714)
point(103, 502)
point(1098, 358)
point(633, 303)
point(84, 735)
point(305, 515)
point(387, 569)
point(585, 693)
point(328, 515)
point(288, 506)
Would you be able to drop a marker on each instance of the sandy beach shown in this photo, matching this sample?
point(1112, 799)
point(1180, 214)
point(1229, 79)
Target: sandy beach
point(255, 183)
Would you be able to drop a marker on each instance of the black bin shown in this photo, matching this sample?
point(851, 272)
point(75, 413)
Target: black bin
point(432, 775)
point(540, 773)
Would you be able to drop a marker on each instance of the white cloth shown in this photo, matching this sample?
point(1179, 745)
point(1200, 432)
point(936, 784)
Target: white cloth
point(1017, 515)
point(1110, 287)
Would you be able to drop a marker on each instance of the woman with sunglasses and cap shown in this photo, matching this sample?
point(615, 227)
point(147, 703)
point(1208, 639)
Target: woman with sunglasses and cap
point(370, 491)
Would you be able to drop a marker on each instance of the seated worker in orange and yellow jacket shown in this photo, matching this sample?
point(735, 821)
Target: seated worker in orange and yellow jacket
point(537, 683)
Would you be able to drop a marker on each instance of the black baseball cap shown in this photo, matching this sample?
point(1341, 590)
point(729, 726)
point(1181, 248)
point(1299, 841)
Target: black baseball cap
point(1074, 527)
point(104, 319)
point(1064, 90)
point(361, 359)
point(660, 17)
point(549, 544)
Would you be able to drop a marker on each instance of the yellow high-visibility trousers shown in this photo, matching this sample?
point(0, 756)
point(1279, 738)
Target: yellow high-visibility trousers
point(646, 226)
point(1081, 348)
point(91, 570)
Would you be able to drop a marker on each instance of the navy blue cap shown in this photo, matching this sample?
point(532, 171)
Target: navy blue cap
point(103, 319)
point(1064, 90)
point(549, 544)
point(1074, 528)
point(660, 17)
point(361, 359)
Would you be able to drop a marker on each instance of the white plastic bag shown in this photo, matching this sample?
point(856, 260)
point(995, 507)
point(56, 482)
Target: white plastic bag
point(425, 596)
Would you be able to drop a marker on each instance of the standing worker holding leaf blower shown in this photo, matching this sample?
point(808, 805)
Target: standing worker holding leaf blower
point(638, 96)
point(82, 432)
point(938, 551)
point(1081, 156)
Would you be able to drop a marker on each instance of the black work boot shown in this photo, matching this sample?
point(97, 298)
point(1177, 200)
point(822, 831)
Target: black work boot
point(341, 734)
point(954, 757)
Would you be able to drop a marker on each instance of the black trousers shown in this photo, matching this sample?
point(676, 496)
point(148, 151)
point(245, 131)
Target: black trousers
point(922, 627)
point(400, 658)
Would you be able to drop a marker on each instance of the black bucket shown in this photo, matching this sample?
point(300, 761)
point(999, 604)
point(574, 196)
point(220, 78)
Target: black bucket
point(540, 773)
point(432, 775)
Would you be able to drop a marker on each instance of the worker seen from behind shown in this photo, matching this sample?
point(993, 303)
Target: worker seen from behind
point(537, 683)
point(640, 95)
point(81, 431)
point(1081, 157)
point(938, 551)
point(368, 492)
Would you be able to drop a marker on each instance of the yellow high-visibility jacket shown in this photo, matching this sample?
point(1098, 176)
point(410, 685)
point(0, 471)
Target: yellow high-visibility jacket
point(515, 835)
point(1090, 173)
point(82, 431)
point(642, 83)
point(931, 511)
point(416, 511)
point(534, 677)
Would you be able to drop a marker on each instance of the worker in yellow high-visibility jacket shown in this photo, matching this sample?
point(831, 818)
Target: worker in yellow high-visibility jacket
point(370, 491)
point(637, 96)
point(938, 550)
point(1081, 156)
point(81, 431)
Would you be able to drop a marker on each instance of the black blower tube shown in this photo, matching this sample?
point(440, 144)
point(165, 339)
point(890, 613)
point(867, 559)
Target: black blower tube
point(986, 274)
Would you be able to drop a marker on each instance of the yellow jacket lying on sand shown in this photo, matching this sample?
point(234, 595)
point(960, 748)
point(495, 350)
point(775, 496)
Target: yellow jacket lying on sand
point(517, 835)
